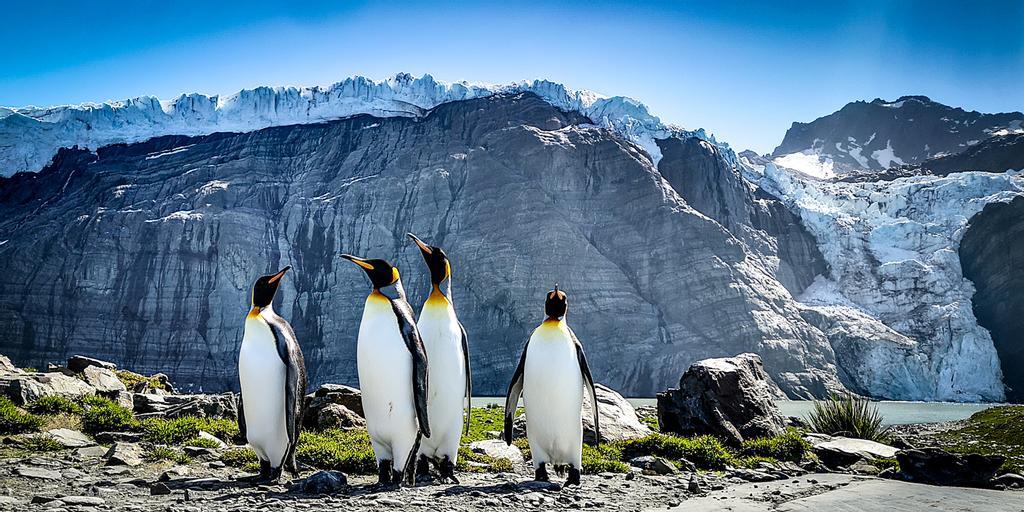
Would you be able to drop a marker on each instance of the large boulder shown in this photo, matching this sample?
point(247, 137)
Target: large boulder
point(844, 451)
point(78, 364)
point(222, 405)
point(731, 398)
point(23, 388)
point(938, 467)
point(339, 394)
point(104, 380)
point(332, 416)
point(618, 418)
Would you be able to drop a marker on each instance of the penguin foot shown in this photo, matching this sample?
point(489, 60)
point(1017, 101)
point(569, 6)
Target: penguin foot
point(384, 472)
point(423, 469)
point(447, 470)
point(574, 477)
point(541, 474)
point(403, 479)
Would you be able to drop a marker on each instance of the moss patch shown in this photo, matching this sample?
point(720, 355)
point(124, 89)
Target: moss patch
point(705, 452)
point(131, 379)
point(55, 405)
point(105, 415)
point(343, 450)
point(13, 420)
point(162, 453)
point(178, 431)
point(787, 447)
point(998, 430)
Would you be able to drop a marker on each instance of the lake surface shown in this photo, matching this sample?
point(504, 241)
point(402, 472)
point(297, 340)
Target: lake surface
point(893, 413)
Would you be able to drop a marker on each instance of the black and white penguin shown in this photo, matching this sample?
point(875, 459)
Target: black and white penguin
point(551, 376)
point(392, 365)
point(272, 373)
point(450, 384)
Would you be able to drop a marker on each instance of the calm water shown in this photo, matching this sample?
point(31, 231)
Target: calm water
point(893, 413)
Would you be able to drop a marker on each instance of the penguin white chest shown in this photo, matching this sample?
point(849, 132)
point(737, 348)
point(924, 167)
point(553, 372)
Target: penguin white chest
point(446, 390)
point(385, 380)
point(553, 396)
point(262, 375)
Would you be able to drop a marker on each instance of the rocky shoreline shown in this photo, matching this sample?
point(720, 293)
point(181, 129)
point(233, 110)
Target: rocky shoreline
point(94, 437)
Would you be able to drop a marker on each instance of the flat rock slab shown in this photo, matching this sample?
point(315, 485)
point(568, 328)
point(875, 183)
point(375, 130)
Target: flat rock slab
point(848, 493)
point(70, 438)
point(40, 473)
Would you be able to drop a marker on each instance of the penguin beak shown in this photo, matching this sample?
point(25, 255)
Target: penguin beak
point(274, 278)
point(358, 261)
point(423, 247)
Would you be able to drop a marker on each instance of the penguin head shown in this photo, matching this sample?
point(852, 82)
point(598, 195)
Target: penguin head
point(437, 261)
point(556, 304)
point(380, 272)
point(266, 287)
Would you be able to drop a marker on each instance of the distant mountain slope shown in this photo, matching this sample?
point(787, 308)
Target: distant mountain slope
point(877, 135)
point(144, 253)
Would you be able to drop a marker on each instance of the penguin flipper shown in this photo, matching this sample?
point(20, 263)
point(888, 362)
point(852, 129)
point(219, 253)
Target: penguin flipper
point(588, 381)
point(515, 390)
point(241, 419)
point(469, 378)
point(413, 341)
point(295, 382)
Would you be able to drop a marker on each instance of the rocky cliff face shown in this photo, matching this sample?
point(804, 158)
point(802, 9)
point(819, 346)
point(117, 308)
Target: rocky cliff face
point(144, 253)
point(990, 253)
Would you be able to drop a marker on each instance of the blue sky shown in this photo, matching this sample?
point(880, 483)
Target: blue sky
point(744, 72)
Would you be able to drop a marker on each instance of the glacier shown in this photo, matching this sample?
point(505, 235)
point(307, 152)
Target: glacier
point(30, 136)
point(895, 275)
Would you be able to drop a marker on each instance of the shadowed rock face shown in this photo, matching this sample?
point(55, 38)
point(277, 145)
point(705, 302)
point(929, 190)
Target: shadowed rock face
point(145, 254)
point(991, 254)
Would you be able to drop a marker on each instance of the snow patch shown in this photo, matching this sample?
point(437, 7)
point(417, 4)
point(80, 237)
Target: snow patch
point(809, 163)
point(886, 157)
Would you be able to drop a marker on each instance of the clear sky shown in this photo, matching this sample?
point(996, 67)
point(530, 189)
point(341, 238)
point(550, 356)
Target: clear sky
point(744, 72)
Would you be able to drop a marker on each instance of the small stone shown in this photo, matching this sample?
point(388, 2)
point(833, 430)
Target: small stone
point(69, 438)
point(125, 454)
point(83, 500)
point(39, 473)
point(91, 452)
point(390, 502)
point(174, 473)
point(159, 489)
point(653, 465)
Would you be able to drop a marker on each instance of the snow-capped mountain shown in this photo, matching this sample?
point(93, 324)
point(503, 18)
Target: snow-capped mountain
point(873, 136)
point(30, 136)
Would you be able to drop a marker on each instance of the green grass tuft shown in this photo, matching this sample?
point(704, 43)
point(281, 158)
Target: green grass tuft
point(37, 443)
point(343, 450)
point(705, 452)
point(159, 453)
point(848, 416)
point(239, 457)
point(605, 458)
point(789, 447)
point(202, 442)
point(177, 431)
point(104, 415)
point(15, 421)
point(55, 405)
point(493, 465)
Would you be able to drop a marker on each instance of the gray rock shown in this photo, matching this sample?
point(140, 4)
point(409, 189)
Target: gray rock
point(104, 380)
point(694, 485)
point(324, 482)
point(1009, 480)
point(10, 501)
point(477, 169)
point(118, 437)
point(618, 418)
point(844, 451)
point(6, 366)
point(24, 388)
point(938, 467)
point(340, 394)
point(174, 473)
point(751, 475)
point(223, 405)
point(333, 416)
point(125, 454)
point(653, 465)
point(159, 489)
point(70, 438)
point(731, 398)
point(85, 501)
point(78, 364)
point(497, 449)
point(91, 452)
point(38, 473)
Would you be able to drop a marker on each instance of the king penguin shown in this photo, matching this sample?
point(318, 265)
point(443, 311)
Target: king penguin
point(392, 367)
point(551, 376)
point(272, 374)
point(450, 383)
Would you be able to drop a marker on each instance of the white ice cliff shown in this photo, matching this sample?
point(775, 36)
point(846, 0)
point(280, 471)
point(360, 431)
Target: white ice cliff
point(30, 136)
point(891, 248)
